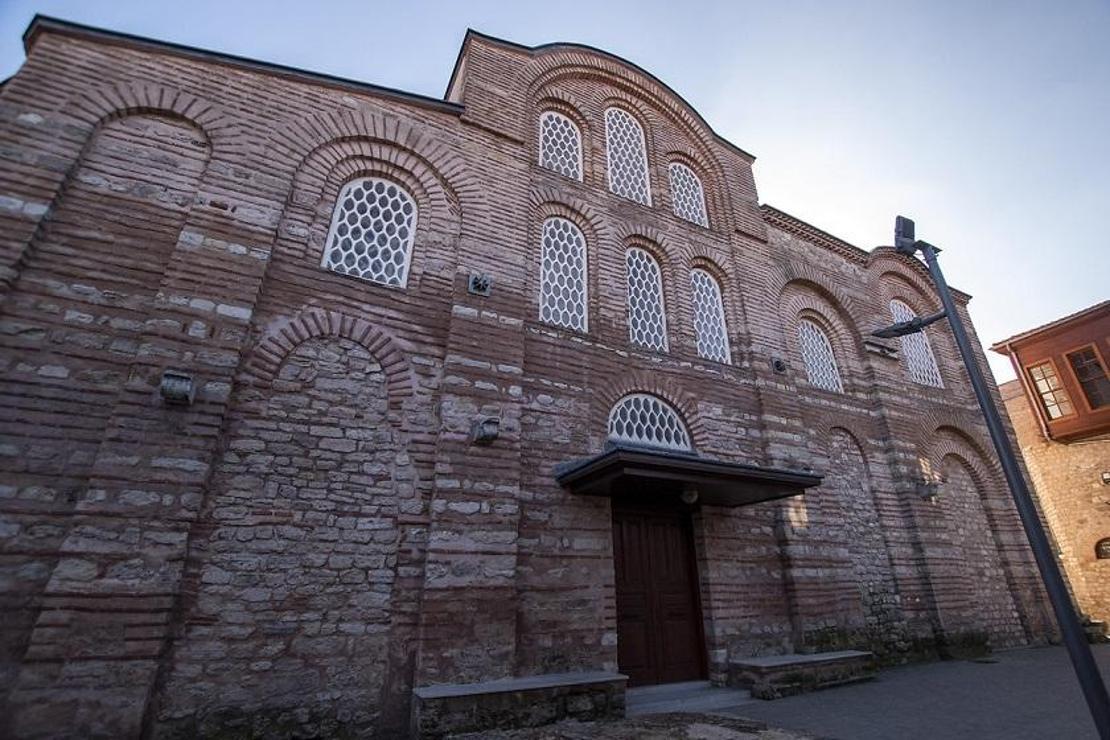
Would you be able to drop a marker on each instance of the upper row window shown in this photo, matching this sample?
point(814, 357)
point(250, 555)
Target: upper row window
point(371, 233)
point(916, 350)
point(626, 151)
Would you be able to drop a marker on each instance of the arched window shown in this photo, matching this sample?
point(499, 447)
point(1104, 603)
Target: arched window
point(647, 323)
point(627, 153)
point(1102, 549)
point(709, 317)
point(647, 420)
point(371, 232)
point(563, 274)
point(817, 353)
point(687, 193)
point(560, 145)
point(918, 354)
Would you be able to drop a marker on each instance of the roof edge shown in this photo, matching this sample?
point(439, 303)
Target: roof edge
point(47, 24)
point(1002, 347)
point(836, 244)
point(533, 50)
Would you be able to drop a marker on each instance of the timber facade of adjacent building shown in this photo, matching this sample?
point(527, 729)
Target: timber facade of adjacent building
point(324, 402)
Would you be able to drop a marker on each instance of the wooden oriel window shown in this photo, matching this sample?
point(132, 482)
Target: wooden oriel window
point(1054, 398)
point(1091, 374)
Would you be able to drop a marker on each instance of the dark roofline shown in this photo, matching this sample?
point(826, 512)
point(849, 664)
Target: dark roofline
point(1003, 346)
point(47, 24)
point(533, 50)
point(847, 248)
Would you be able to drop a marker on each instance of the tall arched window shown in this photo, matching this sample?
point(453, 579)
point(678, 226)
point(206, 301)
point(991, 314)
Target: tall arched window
point(687, 193)
point(916, 351)
point(647, 420)
point(560, 145)
point(627, 154)
point(817, 353)
point(709, 317)
point(371, 233)
point(647, 322)
point(563, 274)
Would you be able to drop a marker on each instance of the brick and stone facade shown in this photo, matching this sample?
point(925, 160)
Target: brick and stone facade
point(1067, 452)
point(317, 536)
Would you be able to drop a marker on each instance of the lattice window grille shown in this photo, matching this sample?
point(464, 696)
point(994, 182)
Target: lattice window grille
point(647, 323)
point(563, 275)
point(916, 350)
point(817, 353)
point(627, 154)
point(560, 145)
point(371, 233)
point(647, 420)
point(709, 317)
point(688, 195)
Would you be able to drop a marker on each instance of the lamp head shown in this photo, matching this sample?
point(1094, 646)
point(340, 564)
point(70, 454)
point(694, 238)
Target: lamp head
point(904, 239)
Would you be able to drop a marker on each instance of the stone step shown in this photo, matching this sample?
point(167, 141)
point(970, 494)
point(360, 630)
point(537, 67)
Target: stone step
point(776, 676)
point(688, 696)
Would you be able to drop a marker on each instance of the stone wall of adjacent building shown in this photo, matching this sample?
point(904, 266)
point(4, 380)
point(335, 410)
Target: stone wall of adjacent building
point(317, 534)
point(1074, 501)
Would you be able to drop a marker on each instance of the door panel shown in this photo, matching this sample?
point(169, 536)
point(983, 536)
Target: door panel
point(658, 620)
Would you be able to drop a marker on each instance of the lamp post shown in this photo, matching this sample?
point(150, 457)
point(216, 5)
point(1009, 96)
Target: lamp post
point(1094, 690)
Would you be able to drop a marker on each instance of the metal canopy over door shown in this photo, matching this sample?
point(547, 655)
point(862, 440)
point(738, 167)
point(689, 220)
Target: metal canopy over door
point(659, 628)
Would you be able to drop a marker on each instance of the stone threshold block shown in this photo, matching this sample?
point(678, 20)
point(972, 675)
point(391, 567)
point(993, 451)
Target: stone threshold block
point(776, 676)
point(507, 703)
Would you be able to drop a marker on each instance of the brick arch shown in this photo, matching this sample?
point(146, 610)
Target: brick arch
point(802, 298)
point(552, 98)
point(792, 271)
point(92, 107)
point(561, 61)
point(891, 270)
point(948, 438)
point(547, 201)
point(883, 260)
point(295, 143)
point(279, 339)
point(635, 380)
point(714, 198)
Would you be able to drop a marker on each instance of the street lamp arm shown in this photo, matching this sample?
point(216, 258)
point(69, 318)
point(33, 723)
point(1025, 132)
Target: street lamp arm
point(914, 325)
point(1090, 680)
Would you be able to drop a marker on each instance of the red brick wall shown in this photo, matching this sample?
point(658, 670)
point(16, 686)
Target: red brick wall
point(317, 533)
point(1067, 478)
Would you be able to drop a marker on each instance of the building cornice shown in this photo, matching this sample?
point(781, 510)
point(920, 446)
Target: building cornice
point(42, 24)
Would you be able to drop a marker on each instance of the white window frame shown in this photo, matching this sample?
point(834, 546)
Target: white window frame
point(643, 156)
point(662, 300)
point(648, 404)
point(544, 275)
point(580, 177)
point(720, 317)
point(337, 211)
point(703, 212)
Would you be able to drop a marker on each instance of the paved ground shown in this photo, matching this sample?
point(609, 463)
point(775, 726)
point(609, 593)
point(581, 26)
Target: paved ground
point(673, 726)
point(1027, 694)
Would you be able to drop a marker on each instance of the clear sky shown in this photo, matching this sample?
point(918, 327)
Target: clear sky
point(986, 122)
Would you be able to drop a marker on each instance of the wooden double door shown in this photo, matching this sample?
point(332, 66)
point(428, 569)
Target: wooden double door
point(659, 628)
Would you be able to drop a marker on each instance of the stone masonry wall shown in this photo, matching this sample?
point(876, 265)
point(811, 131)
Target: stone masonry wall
point(1067, 480)
point(317, 534)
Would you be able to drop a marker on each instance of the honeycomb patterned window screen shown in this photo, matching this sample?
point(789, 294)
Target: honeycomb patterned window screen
point(709, 317)
point(817, 353)
point(647, 323)
point(371, 233)
point(560, 145)
point(689, 198)
point(916, 351)
point(647, 420)
point(563, 274)
point(627, 153)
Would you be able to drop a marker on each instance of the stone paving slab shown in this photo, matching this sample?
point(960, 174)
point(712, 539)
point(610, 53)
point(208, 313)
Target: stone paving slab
point(675, 726)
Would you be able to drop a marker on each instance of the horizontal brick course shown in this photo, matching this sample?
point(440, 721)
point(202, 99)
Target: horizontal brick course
point(316, 535)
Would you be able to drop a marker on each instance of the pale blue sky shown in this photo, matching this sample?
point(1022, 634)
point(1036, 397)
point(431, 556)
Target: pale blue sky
point(986, 122)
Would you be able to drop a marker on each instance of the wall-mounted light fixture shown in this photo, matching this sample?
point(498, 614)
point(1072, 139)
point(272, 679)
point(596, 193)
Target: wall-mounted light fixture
point(480, 284)
point(1106, 477)
point(177, 388)
point(486, 430)
point(927, 489)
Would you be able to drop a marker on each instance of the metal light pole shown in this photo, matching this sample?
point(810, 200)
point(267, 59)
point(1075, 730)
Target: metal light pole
point(1094, 690)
